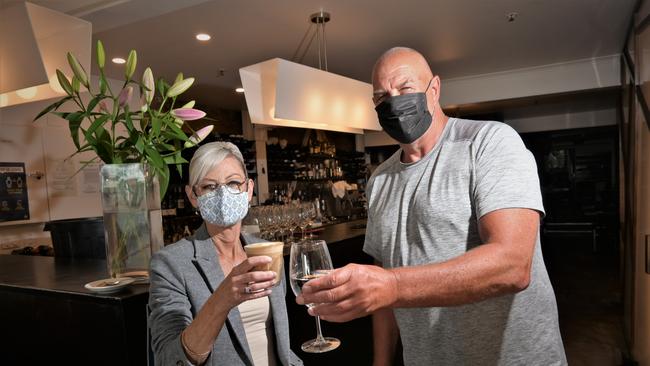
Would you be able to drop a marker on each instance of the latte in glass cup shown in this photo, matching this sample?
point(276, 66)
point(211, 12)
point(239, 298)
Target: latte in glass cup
point(270, 249)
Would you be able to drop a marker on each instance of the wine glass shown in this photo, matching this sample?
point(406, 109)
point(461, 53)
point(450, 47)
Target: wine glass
point(311, 259)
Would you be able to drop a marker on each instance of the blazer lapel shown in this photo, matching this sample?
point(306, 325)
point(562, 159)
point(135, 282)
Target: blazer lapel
point(206, 261)
point(280, 321)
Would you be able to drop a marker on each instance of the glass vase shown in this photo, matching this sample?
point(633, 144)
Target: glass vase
point(132, 218)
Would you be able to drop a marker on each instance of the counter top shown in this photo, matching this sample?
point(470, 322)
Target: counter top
point(340, 232)
point(58, 275)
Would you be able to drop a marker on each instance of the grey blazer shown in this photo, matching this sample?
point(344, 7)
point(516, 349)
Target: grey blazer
point(182, 277)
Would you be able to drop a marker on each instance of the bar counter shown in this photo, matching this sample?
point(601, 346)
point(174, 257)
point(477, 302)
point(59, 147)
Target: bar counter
point(50, 318)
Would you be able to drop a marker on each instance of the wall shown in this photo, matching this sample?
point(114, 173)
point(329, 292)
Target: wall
point(641, 345)
point(46, 145)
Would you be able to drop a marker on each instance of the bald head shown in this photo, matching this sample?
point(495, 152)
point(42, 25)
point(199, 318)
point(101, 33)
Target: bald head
point(402, 70)
point(402, 57)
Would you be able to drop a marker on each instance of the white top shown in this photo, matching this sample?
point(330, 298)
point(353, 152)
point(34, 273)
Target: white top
point(258, 325)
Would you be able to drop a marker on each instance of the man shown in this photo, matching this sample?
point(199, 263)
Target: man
point(453, 220)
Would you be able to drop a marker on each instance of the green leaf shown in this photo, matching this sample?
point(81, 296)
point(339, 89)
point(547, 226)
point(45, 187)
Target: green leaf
point(52, 107)
point(93, 102)
point(156, 124)
point(104, 145)
point(139, 145)
point(178, 133)
point(179, 169)
point(63, 82)
point(128, 122)
point(74, 125)
point(99, 122)
point(163, 180)
point(154, 157)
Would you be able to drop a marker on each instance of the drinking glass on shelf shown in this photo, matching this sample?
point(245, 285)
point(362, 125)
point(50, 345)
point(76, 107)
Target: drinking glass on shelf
point(311, 259)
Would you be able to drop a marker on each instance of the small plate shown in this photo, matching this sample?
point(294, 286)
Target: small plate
point(106, 286)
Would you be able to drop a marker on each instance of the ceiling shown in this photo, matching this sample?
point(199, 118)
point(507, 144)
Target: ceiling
point(458, 37)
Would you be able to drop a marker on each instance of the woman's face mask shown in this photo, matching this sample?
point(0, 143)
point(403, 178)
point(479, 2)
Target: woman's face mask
point(405, 117)
point(223, 207)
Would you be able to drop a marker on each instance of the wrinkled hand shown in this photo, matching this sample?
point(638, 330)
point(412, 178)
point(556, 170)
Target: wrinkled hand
point(350, 292)
point(233, 287)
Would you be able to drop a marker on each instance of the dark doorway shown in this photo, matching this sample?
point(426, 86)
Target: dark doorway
point(579, 178)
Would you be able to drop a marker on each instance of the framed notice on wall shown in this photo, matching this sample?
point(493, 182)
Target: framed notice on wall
point(14, 205)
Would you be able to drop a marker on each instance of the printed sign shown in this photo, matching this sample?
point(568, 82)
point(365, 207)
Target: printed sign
point(13, 192)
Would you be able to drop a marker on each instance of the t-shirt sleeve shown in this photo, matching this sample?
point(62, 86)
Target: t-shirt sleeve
point(505, 172)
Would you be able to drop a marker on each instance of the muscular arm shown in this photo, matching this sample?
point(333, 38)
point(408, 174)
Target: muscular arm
point(499, 266)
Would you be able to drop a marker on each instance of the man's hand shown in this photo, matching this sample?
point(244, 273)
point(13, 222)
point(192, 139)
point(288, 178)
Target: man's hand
point(350, 292)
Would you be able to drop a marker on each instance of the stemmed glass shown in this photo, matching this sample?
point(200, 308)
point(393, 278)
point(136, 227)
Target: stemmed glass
point(311, 259)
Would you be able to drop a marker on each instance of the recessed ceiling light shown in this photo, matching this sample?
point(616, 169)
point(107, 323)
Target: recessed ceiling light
point(203, 37)
point(118, 60)
point(239, 90)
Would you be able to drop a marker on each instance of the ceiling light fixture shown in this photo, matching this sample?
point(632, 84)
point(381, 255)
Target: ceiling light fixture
point(118, 60)
point(239, 90)
point(512, 16)
point(32, 40)
point(203, 37)
point(289, 94)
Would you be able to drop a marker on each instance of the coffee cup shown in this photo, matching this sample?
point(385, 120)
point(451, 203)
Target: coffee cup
point(269, 249)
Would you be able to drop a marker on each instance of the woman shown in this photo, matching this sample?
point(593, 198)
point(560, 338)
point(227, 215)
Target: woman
point(207, 306)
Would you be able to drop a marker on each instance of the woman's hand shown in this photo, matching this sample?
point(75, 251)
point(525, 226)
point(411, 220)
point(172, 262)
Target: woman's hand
point(242, 284)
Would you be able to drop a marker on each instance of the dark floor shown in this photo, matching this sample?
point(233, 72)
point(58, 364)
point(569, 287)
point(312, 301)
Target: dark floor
point(588, 289)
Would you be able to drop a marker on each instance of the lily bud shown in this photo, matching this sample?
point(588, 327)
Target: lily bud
point(188, 114)
point(149, 83)
point(101, 55)
point(75, 84)
point(179, 77)
point(179, 87)
point(78, 70)
point(131, 62)
point(63, 82)
point(179, 122)
point(199, 136)
point(125, 96)
point(189, 104)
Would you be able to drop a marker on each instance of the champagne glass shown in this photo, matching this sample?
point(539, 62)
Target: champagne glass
point(311, 259)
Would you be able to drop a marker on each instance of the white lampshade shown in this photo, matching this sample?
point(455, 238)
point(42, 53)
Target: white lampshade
point(33, 43)
point(283, 93)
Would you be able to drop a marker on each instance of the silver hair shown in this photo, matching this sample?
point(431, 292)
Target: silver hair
point(208, 156)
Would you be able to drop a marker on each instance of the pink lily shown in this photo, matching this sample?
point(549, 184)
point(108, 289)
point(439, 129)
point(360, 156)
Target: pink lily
point(199, 136)
point(188, 114)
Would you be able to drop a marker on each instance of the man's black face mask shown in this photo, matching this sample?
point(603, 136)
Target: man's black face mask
point(405, 117)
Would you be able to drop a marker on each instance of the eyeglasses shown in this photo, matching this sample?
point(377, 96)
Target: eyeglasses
point(233, 187)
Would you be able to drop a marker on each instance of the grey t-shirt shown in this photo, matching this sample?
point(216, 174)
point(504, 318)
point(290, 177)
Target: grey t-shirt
point(428, 212)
